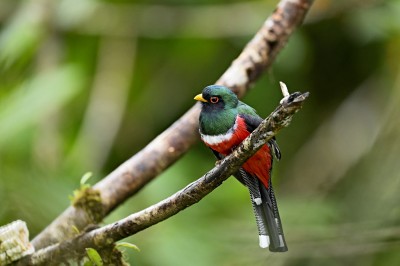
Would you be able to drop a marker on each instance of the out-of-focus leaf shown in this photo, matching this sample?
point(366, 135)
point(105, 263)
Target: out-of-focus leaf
point(36, 99)
point(75, 229)
point(74, 12)
point(375, 23)
point(88, 263)
point(94, 256)
point(86, 177)
point(24, 31)
point(128, 245)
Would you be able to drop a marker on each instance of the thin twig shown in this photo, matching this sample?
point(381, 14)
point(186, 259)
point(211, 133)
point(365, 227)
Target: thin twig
point(285, 91)
point(191, 194)
point(169, 146)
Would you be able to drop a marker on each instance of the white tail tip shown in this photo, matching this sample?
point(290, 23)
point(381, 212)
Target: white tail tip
point(264, 241)
point(281, 243)
point(258, 201)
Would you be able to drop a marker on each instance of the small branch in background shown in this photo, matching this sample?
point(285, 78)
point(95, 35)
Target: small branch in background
point(261, 51)
point(105, 236)
point(95, 138)
point(169, 146)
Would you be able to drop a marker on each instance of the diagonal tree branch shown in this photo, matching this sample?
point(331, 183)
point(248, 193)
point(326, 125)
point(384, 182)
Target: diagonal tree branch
point(191, 194)
point(169, 146)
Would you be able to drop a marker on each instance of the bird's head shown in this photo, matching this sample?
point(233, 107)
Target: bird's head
point(217, 97)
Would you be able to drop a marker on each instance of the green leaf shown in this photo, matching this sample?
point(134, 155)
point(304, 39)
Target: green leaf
point(127, 245)
point(22, 34)
point(94, 256)
point(86, 177)
point(76, 230)
point(88, 263)
point(36, 99)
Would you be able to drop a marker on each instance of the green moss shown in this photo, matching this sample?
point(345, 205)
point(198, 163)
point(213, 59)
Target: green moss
point(88, 199)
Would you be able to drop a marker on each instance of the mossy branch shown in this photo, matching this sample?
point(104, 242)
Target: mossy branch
point(169, 146)
point(106, 236)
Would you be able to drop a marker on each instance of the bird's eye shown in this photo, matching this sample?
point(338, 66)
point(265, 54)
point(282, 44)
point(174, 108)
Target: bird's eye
point(214, 99)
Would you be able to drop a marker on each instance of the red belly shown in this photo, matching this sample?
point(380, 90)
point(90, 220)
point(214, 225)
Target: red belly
point(259, 164)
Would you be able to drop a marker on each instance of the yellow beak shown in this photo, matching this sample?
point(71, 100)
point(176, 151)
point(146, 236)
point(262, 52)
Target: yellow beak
point(199, 97)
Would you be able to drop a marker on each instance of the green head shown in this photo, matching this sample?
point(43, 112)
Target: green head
point(219, 109)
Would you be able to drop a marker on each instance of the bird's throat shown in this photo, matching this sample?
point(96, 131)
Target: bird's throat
point(225, 142)
point(217, 122)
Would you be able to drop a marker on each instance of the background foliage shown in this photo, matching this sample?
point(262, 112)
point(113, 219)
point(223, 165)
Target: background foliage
point(85, 84)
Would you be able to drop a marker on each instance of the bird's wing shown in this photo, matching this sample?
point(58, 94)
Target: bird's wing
point(253, 120)
point(246, 109)
point(250, 115)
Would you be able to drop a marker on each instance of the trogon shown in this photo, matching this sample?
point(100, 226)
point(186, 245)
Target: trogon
point(224, 123)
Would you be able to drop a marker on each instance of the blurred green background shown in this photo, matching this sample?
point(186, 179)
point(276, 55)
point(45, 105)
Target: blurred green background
point(86, 84)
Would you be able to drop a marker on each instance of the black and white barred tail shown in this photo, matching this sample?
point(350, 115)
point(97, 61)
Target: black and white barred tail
point(266, 213)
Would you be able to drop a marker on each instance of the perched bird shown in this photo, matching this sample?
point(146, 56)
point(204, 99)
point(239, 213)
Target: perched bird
point(224, 123)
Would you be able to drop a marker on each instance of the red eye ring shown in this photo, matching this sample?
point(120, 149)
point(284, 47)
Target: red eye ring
point(214, 99)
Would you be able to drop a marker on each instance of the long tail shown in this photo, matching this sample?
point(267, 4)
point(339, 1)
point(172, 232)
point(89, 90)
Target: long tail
point(273, 220)
point(266, 213)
